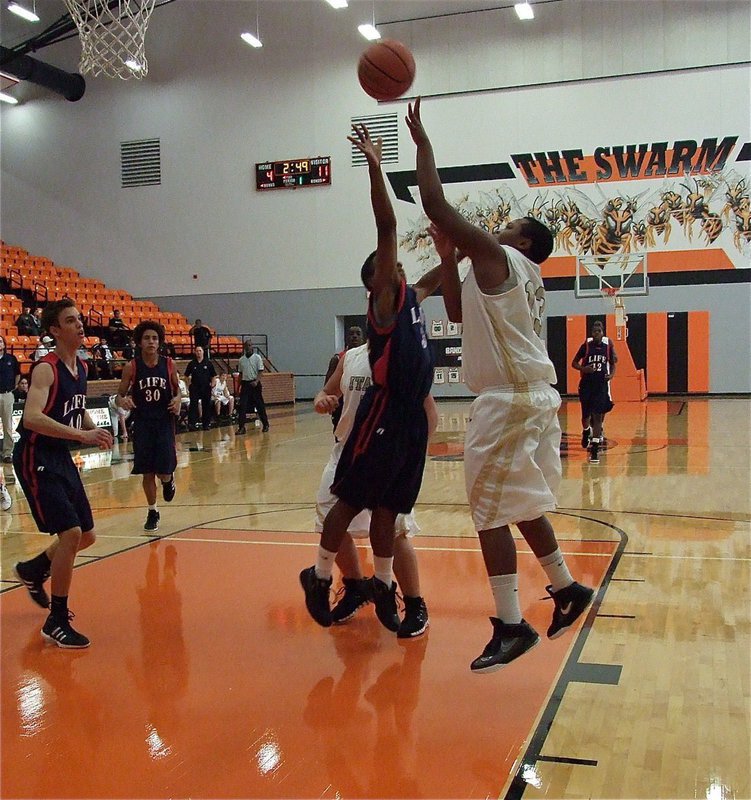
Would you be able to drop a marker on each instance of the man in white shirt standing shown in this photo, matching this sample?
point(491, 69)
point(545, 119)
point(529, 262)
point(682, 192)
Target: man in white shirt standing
point(512, 459)
point(250, 367)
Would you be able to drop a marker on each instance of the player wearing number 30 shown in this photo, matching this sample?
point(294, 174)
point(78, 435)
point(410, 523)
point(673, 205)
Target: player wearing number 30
point(150, 388)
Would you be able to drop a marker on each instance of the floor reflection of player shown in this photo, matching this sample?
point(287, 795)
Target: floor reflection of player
point(70, 705)
point(162, 675)
point(395, 696)
point(336, 709)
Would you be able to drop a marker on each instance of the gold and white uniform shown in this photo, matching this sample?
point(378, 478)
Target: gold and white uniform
point(512, 463)
point(356, 377)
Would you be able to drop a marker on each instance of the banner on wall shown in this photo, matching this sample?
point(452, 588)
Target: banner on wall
point(685, 202)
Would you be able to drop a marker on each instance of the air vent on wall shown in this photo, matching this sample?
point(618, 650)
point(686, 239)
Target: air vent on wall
point(141, 163)
point(385, 126)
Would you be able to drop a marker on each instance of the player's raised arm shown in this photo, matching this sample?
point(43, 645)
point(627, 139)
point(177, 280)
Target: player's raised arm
point(450, 284)
point(386, 279)
point(488, 257)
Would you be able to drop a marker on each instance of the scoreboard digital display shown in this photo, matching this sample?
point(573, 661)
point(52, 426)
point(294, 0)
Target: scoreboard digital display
point(293, 173)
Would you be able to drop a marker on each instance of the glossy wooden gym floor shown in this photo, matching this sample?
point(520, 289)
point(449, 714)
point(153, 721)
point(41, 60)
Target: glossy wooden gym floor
point(207, 679)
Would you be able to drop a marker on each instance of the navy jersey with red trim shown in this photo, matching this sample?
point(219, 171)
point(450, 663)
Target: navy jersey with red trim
point(400, 358)
point(151, 388)
point(600, 356)
point(66, 402)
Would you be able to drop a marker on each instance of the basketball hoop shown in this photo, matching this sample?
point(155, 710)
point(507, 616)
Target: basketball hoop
point(619, 310)
point(112, 36)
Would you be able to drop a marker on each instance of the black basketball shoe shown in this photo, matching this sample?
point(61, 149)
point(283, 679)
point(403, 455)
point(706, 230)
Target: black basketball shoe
point(570, 604)
point(61, 633)
point(508, 643)
point(152, 521)
point(586, 436)
point(317, 596)
point(415, 621)
point(168, 490)
point(356, 595)
point(34, 583)
point(594, 451)
point(384, 598)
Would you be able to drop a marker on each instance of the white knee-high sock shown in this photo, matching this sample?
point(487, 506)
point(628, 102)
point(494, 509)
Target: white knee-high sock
point(556, 570)
point(505, 590)
point(324, 563)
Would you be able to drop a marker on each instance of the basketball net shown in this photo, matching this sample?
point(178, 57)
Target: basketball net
point(112, 34)
point(619, 310)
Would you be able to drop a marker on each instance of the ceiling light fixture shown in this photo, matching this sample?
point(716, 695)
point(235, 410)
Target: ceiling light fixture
point(337, 3)
point(369, 30)
point(29, 16)
point(249, 38)
point(6, 98)
point(524, 11)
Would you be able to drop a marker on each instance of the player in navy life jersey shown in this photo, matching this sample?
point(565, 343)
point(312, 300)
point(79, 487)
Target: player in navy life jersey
point(149, 387)
point(595, 360)
point(383, 459)
point(55, 415)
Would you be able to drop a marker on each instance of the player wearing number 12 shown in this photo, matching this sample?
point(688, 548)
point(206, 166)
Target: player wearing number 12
point(150, 388)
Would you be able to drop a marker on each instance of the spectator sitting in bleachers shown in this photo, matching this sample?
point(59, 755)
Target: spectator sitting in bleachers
point(117, 331)
point(45, 346)
point(27, 324)
point(21, 391)
point(102, 358)
point(224, 401)
point(182, 420)
point(37, 314)
point(129, 350)
point(118, 418)
point(84, 354)
point(168, 349)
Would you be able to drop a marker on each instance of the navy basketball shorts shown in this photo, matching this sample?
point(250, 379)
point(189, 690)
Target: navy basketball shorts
point(154, 446)
point(383, 459)
point(595, 398)
point(53, 487)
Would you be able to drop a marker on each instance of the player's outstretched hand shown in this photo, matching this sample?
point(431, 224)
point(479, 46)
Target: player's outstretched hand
point(174, 405)
point(414, 123)
point(97, 437)
point(325, 403)
point(369, 148)
point(443, 245)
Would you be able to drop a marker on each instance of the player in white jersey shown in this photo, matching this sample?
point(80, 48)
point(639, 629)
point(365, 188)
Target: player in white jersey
point(512, 458)
point(350, 379)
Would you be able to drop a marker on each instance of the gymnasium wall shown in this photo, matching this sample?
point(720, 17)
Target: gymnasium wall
point(558, 109)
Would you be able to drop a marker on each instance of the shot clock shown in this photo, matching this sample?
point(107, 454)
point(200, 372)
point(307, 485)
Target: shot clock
point(294, 173)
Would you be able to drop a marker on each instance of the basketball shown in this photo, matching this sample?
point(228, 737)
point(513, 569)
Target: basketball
point(386, 70)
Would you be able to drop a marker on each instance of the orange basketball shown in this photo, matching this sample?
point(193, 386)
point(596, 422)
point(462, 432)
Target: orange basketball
point(386, 70)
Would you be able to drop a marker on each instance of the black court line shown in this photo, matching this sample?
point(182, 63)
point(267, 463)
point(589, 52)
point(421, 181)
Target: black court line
point(573, 671)
point(650, 514)
point(627, 580)
point(584, 762)
point(616, 616)
point(148, 539)
point(637, 553)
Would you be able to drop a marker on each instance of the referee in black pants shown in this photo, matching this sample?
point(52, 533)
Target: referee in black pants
point(250, 367)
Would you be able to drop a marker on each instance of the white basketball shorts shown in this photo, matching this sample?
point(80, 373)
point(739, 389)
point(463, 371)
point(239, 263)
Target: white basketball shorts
point(512, 460)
